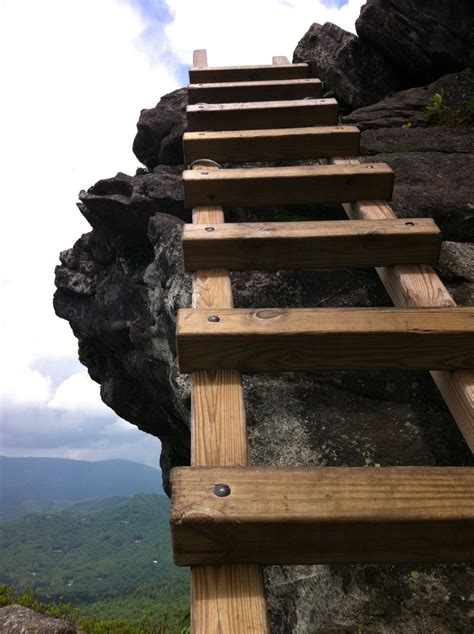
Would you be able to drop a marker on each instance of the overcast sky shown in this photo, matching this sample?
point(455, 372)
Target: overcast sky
point(75, 74)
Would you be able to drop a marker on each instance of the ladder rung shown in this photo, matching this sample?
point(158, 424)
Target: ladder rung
point(301, 515)
point(308, 339)
point(254, 91)
point(247, 73)
point(272, 145)
point(309, 245)
point(268, 186)
point(262, 114)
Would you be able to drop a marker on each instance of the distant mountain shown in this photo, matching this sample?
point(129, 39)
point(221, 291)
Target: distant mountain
point(89, 556)
point(41, 484)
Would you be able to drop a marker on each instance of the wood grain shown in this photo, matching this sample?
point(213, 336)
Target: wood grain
point(268, 186)
point(277, 246)
point(222, 597)
point(271, 145)
point(296, 515)
point(200, 58)
point(308, 339)
point(262, 115)
point(274, 90)
point(247, 73)
point(420, 286)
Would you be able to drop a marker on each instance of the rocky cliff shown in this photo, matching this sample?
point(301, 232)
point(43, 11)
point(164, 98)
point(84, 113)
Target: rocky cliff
point(121, 284)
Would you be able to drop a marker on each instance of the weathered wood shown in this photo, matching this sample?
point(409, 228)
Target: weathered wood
point(247, 73)
point(200, 58)
point(271, 145)
point(309, 245)
point(262, 115)
point(268, 186)
point(419, 286)
point(276, 90)
point(298, 515)
point(222, 597)
point(307, 339)
point(278, 60)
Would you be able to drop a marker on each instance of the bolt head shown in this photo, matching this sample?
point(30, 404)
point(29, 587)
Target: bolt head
point(221, 490)
point(209, 228)
point(213, 318)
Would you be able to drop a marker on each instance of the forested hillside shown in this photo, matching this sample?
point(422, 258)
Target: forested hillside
point(115, 561)
point(29, 485)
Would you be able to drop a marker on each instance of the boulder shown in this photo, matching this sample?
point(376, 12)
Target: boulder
point(353, 71)
point(423, 39)
point(160, 131)
point(15, 619)
point(410, 107)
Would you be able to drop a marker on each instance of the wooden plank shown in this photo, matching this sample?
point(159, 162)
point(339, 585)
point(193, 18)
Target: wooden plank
point(308, 339)
point(420, 286)
point(280, 60)
point(300, 515)
point(222, 597)
point(275, 90)
point(219, 74)
point(262, 115)
point(268, 186)
point(200, 58)
point(282, 144)
point(276, 246)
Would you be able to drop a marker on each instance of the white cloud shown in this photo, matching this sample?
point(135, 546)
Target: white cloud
point(249, 31)
point(78, 394)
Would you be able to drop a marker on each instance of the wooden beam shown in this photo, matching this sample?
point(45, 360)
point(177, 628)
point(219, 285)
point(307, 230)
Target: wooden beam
point(419, 286)
point(274, 246)
point(281, 144)
point(300, 515)
point(223, 598)
point(279, 60)
point(309, 339)
point(200, 58)
point(262, 115)
point(268, 186)
point(247, 73)
point(275, 90)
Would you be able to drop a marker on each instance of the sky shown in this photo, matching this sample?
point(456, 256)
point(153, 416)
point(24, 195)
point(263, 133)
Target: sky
point(75, 75)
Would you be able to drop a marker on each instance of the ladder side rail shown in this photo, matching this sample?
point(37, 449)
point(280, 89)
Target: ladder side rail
point(419, 286)
point(225, 599)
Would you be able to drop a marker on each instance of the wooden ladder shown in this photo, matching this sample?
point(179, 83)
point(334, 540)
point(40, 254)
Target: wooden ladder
point(228, 518)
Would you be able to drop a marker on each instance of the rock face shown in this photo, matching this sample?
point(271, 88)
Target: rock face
point(356, 73)
point(160, 130)
point(121, 285)
point(410, 107)
point(401, 44)
point(424, 38)
point(15, 619)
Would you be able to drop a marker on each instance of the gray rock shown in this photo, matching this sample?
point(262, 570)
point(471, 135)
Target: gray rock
point(160, 131)
point(357, 73)
point(423, 39)
point(448, 139)
point(122, 206)
point(435, 185)
point(15, 619)
point(408, 107)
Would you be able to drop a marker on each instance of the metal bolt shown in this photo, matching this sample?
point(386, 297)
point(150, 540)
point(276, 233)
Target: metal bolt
point(222, 490)
point(410, 224)
point(370, 167)
point(209, 228)
point(213, 318)
point(204, 173)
